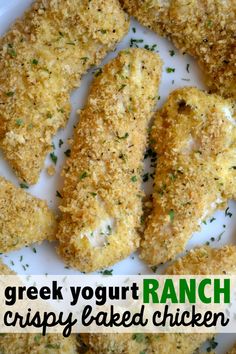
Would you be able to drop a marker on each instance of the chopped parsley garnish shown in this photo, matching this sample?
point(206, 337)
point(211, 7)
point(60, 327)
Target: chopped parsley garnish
point(83, 175)
point(11, 51)
point(98, 72)
point(171, 215)
point(125, 136)
point(35, 62)
point(52, 346)
point(37, 338)
point(213, 345)
point(84, 59)
point(138, 337)
point(70, 43)
point(145, 177)
point(187, 67)
point(24, 185)
point(93, 194)
point(53, 158)
point(121, 88)
point(67, 152)
point(170, 70)
point(150, 47)
point(134, 179)
point(227, 213)
point(10, 93)
point(172, 52)
point(19, 122)
point(103, 31)
point(58, 194)
point(154, 268)
point(34, 250)
point(61, 142)
point(106, 272)
point(135, 41)
point(134, 29)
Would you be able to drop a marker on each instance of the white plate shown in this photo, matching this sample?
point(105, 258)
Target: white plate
point(45, 260)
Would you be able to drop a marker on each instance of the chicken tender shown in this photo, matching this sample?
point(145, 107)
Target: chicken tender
point(205, 29)
point(35, 343)
point(24, 219)
point(42, 58)
point(233, 350)
point(102, 198)
point(194, 136)
point(205, 261)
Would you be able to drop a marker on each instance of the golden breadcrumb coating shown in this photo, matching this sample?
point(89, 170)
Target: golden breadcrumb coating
point(194, 136)
point(102, 198)
point(205, 29)
point(42, 58)
point(35, 343)
point(232, 351)
point(24, 219)
point(206, 261)
point(200, 261)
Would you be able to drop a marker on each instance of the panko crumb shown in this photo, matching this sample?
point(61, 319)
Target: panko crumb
point(205, 29)
point(102, 197)
point(42, 58)
point(24, 219)
point(51, 170)
point(194, 137)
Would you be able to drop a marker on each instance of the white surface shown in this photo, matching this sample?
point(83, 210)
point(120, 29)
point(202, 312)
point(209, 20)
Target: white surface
point(45, 260)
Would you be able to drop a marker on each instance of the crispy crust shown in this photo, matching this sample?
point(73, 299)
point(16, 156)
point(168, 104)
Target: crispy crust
point(42, 58)
point(200, 261)
point(206, 29)
point(194, 136)
point(102, 177)
point(24, 219)
point(232, 351)
point(206, 261)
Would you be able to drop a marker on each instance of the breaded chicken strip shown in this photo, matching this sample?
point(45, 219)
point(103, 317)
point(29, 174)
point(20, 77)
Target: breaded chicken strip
point(205, 29)
point(101, 206)
point(194, 136)
point(24, 219)
point(233, 350)
point(42, 58)
point(205, 261)
point(35, 343)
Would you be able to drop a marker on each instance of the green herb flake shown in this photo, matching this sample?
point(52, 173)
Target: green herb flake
point(19, 122)
point(133, 42)
point(52, 346)
point(122, 87)
point(98, 72)
point(187, 67)
point(170, 70)
point(35, 62)
point(83, 175)
point(134, 179)
point(24, 186)
point(106, 272)
point(67, 152)
point(53, 158)
point(61, 142)
point(138, 337)
point(93, 194)
point(227, 213)
point(172, 52)
point(125, 136)
point(58, 195)
point(171, 215)
point(11, 51)
point(37, 338)
point(10, 93)
point(84, 60)
point(34, 250)
point(134, 30)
